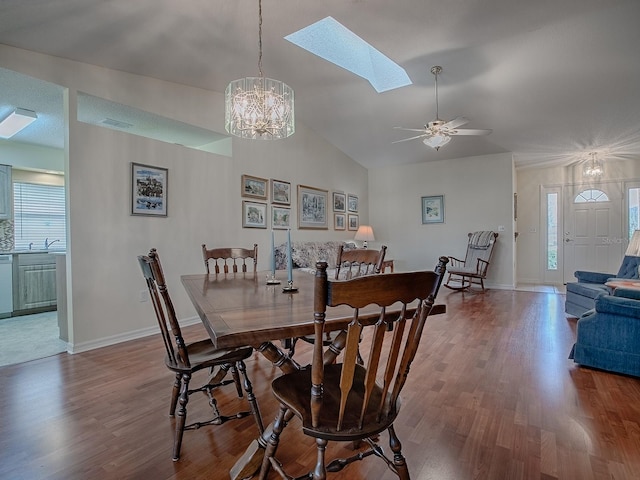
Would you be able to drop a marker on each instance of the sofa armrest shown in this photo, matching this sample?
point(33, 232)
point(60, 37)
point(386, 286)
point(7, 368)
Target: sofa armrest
point(627, 293)
point(621, 306)
point(592, 277)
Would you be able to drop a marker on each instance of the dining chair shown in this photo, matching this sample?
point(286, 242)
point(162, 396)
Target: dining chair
point(359, 261)
point(348, 401)
point(186, 359)
point(350, 263)
point(230, 257)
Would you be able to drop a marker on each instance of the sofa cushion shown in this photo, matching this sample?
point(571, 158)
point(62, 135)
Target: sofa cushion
point(629, 267)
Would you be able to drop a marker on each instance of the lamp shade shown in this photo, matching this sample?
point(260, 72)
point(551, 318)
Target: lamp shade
point(633, 249)
point(364, 233)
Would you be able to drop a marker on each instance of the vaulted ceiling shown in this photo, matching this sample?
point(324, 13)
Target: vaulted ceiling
point(553, 79)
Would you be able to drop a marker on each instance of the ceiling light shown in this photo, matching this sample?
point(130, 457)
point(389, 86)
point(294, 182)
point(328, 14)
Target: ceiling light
point(438, 140)
point(16, 121)
point(259, 107)
point(593, 167)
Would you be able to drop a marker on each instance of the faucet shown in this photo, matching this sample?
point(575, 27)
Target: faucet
point(47, 244)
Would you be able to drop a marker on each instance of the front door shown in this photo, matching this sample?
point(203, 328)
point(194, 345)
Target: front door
point(593, 237)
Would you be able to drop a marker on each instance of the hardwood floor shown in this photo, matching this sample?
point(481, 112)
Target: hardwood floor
point(491, 395)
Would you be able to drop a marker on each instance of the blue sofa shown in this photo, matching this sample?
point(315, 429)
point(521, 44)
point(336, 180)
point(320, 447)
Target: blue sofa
point(608, 337)
point(581, 295)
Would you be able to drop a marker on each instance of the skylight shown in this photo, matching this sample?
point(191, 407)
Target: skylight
point(332, 41)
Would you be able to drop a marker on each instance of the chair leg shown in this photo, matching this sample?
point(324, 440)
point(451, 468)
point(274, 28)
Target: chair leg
point(236, 380)
point(251, 398)
point(320, 472)
point(272, 443)
point(182, 416)
point(175, 393)
point(399, 462)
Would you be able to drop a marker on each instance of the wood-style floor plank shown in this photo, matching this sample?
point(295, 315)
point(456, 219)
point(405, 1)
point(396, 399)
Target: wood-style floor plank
point(491, 395)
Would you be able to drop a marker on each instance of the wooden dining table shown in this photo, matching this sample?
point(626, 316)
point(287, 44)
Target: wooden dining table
point(239, 309)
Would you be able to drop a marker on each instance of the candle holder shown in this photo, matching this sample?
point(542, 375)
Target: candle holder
point(290, 288)
point(272, 280)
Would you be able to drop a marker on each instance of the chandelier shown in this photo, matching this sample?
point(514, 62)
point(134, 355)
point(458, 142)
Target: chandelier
point(593, 167)
point(259, 107)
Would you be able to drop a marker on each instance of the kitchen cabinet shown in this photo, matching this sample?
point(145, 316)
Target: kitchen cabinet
point(5, 192)
point(34, 282)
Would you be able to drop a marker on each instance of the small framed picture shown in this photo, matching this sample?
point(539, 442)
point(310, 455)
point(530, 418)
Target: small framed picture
point(254, 214)
point(280, 192)
point(339, 221)
point(352, 203)
point(254, 187)
point(339, 202)
point(312, 207)
point(354, 222)
point(280, 217)
point(433, 209)
point(148, 190)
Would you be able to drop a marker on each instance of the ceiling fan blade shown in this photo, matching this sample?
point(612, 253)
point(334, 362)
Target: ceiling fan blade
point(423, 130)
point(411, 138)
point(469, 131)
point(456, 122)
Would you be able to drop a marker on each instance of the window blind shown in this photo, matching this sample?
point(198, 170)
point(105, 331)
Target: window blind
point(39, 216)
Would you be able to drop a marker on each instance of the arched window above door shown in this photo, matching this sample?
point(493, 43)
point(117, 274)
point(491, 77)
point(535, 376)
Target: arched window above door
point(591, 195)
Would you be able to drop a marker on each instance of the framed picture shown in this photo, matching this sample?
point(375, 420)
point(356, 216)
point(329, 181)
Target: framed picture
point(352, 203)
point(280, 192)
point(339, 221)
point(254, 214)
point(280, 218)
point(433, 209)
point(254, 187)
point(354, 222)
point(312, 207)
point(148, 190)
point(339, 202)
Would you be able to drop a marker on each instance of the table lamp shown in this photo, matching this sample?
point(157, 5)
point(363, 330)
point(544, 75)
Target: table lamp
point(364, 233)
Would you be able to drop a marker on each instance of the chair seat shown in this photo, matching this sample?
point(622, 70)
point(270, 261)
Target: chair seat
point(294, 390)
point(589, 290)
point(203, 354)
point(463, 271)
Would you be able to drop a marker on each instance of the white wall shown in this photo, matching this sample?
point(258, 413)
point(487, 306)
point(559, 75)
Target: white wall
point(530, 220)
point(478, 195)
point(31, 156)
point(204, 202)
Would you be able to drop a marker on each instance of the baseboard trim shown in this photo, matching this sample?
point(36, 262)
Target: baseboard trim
point(123, 337)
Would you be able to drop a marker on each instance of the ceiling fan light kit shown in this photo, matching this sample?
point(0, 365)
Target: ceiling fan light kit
point(438, 132)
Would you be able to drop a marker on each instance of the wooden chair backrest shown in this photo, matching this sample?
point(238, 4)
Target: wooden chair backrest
point(413, 295)
point(223, 257)
point(479, 258)
point(359, 261)
point(165, 313)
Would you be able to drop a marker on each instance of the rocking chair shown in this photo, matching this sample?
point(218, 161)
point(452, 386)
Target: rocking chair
point(473, 269)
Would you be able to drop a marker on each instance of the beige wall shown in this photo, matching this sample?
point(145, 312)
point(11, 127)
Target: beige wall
point(204, 202)
point(478, 195)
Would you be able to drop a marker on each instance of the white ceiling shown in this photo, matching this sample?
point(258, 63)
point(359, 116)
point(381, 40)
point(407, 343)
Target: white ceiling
point(553, 79)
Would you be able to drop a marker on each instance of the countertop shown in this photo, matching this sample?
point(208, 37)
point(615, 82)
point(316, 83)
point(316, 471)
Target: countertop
point(21, 252)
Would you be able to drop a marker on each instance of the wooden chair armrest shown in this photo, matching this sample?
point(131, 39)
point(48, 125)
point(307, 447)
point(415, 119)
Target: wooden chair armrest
point(482, 266)
point(455, 262)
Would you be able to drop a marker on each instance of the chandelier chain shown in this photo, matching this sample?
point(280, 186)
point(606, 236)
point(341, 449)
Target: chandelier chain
point(260, 38)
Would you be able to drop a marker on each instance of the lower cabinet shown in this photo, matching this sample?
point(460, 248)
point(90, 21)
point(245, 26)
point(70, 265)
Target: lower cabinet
point(35, 285)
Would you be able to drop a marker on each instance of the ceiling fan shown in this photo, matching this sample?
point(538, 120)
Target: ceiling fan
point(438, 133)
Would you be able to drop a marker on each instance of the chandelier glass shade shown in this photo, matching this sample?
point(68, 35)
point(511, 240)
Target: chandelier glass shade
point(259, 107)
point(593, 167)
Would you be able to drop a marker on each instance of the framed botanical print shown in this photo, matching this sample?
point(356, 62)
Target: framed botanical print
point(339, 202)
point(254, 214)
point(280, 217)
point(339, 221)
point(433, 209)
point(354, 222)
point(280, 192)
point(255, 187)
point(148, 190)
point(312, 207)
point(352, 203)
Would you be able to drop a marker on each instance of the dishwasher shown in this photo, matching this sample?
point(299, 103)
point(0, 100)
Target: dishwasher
point(6, 290)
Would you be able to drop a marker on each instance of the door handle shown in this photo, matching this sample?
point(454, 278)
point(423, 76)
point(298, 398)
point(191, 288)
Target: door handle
point(567, 240)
